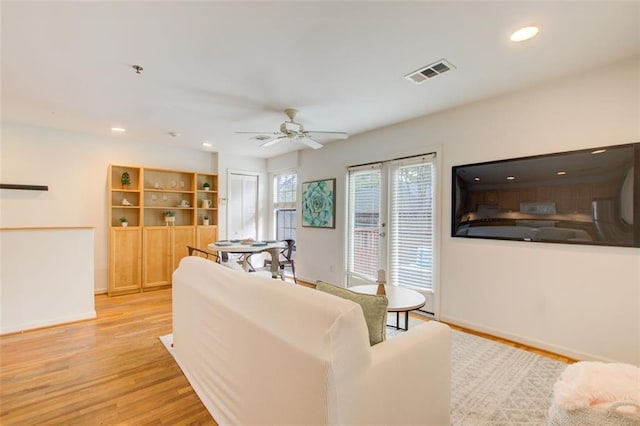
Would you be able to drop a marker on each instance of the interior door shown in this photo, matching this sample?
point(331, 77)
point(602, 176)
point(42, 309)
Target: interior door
point(242, 206)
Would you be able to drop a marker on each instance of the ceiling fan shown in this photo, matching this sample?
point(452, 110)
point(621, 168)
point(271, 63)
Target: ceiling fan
point(294, 131)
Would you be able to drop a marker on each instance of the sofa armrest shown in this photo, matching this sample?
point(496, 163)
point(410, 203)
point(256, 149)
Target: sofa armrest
point(410, 378)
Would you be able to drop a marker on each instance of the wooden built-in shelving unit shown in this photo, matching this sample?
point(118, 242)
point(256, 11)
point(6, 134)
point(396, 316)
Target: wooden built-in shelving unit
point(144, 254)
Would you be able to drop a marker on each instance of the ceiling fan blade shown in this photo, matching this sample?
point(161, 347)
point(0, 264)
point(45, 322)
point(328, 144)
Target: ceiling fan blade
point(272, 142)
point(310, 142)
point(260, 133)
point(336, 135)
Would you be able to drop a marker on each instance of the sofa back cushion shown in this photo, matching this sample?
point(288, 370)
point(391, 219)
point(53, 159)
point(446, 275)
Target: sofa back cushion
point(373, 307)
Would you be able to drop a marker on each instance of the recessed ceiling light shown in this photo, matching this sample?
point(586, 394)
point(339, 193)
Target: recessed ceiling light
point(511, 177)
point(561, 173)
point(477, 179)
point(598, 151)
point(524, 33)
point(207, 144)
point(118, 129)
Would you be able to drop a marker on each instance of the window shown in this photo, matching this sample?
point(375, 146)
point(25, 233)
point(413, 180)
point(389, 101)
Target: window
point(286, 224)
point(285, 188)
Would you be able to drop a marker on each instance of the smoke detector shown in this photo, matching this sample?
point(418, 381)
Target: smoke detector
point(429, 71)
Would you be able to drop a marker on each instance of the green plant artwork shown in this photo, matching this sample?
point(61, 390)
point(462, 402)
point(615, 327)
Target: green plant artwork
point(319, 203)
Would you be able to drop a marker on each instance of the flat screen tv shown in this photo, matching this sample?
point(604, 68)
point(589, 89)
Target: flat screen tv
point(591, 196)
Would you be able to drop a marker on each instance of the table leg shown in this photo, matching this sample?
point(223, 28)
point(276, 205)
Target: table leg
point(245, 262)
point(275, 262)
point(406, 322)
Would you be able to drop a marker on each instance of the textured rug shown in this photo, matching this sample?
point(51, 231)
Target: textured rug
point(494, 384)
point(491, 384)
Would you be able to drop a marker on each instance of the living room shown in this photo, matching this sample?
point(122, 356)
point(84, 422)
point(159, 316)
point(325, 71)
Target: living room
point(577, 300)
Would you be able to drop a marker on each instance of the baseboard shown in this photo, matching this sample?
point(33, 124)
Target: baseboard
point(539, 344)
point(53, 322)
point(425, 314)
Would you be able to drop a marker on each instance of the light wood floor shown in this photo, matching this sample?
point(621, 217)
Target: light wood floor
point(111, 370)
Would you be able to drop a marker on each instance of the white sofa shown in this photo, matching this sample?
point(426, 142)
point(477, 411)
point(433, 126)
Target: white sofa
point(260, 351)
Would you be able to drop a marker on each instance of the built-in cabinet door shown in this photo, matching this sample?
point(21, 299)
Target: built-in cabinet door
point(125, 272)
point(182, 236)
point(157, 256)
point(206, 235)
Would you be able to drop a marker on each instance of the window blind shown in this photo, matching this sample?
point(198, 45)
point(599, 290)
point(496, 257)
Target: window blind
point(285, 188)
point(364, 220)
point(411, 239)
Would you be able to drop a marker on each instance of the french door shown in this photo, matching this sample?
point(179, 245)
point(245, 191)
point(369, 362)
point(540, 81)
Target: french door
point(391, 224)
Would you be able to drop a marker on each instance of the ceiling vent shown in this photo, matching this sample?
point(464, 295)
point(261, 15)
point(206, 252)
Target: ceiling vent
point(432, 70)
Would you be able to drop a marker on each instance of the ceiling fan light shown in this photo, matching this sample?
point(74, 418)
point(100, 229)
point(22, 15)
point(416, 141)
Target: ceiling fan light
point(289, 126)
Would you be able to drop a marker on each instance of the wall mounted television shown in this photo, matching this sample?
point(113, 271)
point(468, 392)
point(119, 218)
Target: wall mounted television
point(590, 196)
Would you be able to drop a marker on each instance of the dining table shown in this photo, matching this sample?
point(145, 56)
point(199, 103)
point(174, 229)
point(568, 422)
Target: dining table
point(247, 248)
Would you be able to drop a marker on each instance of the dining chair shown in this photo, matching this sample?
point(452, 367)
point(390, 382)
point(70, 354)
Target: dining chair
point(193, 251)
point(286, 259)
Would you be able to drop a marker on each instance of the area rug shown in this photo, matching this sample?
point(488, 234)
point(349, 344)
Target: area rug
point(491, 384)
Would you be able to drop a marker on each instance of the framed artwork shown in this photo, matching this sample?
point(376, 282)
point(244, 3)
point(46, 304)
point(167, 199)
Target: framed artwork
point(319, 203)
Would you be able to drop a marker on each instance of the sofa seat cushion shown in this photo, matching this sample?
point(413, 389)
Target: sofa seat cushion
point(373, 307)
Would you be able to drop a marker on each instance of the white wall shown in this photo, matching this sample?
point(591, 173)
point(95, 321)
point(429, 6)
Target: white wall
point(46, 277)
point(75, 167)
point(581, 301)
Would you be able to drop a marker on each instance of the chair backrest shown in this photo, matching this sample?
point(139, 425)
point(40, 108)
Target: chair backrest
point(193, 251)
point(287, 252)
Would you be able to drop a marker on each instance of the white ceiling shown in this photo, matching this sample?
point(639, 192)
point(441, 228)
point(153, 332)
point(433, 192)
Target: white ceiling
point(213, 68)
